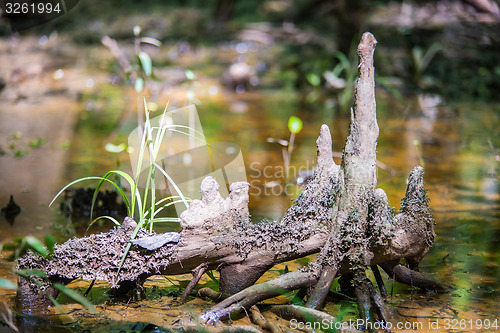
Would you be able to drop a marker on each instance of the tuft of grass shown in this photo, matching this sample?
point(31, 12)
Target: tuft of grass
point(142, 204)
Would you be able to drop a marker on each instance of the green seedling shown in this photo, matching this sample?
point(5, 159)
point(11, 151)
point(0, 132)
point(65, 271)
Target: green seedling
point(294, 126)
point(421, 59)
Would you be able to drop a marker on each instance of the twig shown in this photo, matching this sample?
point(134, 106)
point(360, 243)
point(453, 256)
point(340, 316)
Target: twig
point(89, 288)
point(8, 318)
point(197, 274)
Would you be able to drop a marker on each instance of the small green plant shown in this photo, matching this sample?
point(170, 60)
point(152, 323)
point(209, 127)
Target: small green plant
point(143, 205)
point(294, 126)
point(421, 60)
point(137, 71)
point(343, 76)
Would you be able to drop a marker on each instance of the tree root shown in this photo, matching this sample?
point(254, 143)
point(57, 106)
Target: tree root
point(258, 319)
point(212, 294)
point(413, 278)
point(259, 292)
point(340, 213)
point(304, 314)
point(318, 296)
point(380, 282)
point(369, 301)
point(197, 274)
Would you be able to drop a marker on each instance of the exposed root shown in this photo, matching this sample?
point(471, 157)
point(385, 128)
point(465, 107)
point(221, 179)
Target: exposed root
point(379, 304)
point(256, 293)
point(380, 282)
point(413, 278)
point(318, 296)
point(303, 314)
point(370, 303)
point(258, 319)
point(212, 294)
point(340, 213)
point(197, 274)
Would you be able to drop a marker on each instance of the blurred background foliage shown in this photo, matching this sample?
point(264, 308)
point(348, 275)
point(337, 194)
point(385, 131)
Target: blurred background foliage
point(445, 47)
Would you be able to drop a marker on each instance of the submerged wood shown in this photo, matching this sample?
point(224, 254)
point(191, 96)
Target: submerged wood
point(340, 214)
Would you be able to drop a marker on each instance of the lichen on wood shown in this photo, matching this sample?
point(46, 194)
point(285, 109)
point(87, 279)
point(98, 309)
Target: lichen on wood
point(340, 214)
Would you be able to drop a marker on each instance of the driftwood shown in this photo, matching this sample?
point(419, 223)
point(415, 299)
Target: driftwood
point(340, 214)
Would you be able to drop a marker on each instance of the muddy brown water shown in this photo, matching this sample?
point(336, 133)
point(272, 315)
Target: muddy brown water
point(72, 114)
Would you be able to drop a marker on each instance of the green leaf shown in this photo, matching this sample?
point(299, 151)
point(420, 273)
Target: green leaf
point(4, 283)
point(152, 41)
point(36, 245)
point(49, 243)
point(314, 79)
point(56, 303)
point(190, 75)
point(294, 124)
point(212, 277)
point(102, 179)
point(146, 62)
point(115, 148)
point(112, 219)
point(139, 84)
point(27, 273)
point(76, 296)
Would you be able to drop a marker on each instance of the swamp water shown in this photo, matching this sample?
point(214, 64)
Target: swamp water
point(72, 114)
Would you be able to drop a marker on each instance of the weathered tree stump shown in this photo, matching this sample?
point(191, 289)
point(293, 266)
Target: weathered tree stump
point(340, 214)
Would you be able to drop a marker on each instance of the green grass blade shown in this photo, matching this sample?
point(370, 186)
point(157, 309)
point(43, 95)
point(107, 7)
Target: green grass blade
point(112, 219)
point(125, 253)
point(343, 60)
point(105, 178)
point(76, 296)
point(172, 197)
point(212, 277)
point(7, 284)
point(169, 204)
point(134, 187)
point(127, 248)
point(167, 220)
point(72, 183)
point(174, 185)
point(35, 245)
point(28, 273)
point(205, 141)
point(49, 243)
point(56, 303)
point(101, 181)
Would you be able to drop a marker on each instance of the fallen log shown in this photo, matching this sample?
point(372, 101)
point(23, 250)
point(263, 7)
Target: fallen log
point(340, 214)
